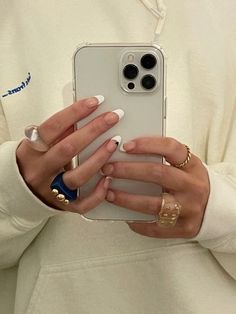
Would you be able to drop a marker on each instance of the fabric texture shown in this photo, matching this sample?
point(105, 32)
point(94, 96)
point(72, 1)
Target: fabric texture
point(56, 262)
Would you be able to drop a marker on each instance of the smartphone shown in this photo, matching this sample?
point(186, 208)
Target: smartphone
point(131, 77)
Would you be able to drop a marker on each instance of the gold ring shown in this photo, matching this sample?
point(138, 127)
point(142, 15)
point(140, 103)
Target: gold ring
point(184, 163)
point(170, 211)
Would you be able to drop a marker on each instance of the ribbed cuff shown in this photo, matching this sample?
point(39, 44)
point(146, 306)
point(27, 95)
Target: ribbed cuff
point(16, 199)
point(220, 215)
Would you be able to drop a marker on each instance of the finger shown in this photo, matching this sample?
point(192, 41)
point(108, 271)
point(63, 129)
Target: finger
point(78, 140)
point(69, 131)
point(98, 195)
point(168, 177)
point(80, 175)
point(56, 125)
point(140, 203)
point(155, 231)
point(173, 151)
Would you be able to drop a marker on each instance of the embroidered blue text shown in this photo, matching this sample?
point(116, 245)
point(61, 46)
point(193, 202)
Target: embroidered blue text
point(18, 88)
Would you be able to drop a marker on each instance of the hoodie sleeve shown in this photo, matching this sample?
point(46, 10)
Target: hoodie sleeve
point(22, 214)
point(218, 230)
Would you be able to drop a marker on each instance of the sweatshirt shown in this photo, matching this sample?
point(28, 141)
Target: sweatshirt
point(57, 262)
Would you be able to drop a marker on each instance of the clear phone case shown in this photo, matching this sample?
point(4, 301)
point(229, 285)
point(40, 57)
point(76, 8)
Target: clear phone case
point(99, 69)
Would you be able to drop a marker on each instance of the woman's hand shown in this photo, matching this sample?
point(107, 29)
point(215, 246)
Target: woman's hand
point(189, 186)
point(39, 169)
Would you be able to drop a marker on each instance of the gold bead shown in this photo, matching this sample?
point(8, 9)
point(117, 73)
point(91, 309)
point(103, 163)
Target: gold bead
point(54, 192)
point(66, 202)
point(60, 197)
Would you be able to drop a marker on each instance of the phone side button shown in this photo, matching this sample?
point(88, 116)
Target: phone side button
point(73, 94)
point(73, 90)
point(165, 107)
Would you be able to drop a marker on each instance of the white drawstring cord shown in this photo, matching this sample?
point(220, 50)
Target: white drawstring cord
point(159, 13)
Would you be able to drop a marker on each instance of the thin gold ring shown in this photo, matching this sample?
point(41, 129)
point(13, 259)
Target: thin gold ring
point(186, 161)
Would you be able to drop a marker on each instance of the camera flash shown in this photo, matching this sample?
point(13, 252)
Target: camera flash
point(130, 57)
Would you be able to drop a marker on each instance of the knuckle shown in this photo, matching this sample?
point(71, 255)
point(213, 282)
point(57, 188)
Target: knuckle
point(172, 143)
point(189, 229)
point(197, 208)
point(99, 197)
point(97, 126)
point(196, 161)
point(67, 149)
point(201, 189)
point(53, 127)
point(32, 179)
point(156, 172)
point(119, 170)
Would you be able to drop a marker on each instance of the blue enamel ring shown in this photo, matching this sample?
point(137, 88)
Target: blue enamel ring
point(61, 191)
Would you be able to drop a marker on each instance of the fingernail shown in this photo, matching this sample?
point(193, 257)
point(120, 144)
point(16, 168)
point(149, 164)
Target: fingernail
point(113, 143)
point(119, 112)
point(95, 101)
point(101, 172)
point(107, 182)
point(100, 99)
point(127, 146)
point(107, 169)
point(111, 117)
point(110, 196)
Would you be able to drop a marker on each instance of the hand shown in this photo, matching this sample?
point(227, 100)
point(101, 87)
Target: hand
point(39, 169)
point(189, 186)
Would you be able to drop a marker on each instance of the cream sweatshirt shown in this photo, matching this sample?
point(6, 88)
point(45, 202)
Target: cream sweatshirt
point(55, 262)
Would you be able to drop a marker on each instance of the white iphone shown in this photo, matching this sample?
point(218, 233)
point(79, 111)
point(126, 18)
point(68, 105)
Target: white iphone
point(131, 77)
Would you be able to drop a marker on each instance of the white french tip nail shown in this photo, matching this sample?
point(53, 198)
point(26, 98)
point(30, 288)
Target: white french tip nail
point(100, 98)
point(117, 139)
point(119, 112)
point(122, 148)
point(101, 172)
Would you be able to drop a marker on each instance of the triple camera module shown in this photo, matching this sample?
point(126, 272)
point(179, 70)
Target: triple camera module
point(141, 71)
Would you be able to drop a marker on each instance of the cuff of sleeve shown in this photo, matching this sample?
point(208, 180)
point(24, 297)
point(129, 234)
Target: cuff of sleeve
point(16, 199)
point(220, 214)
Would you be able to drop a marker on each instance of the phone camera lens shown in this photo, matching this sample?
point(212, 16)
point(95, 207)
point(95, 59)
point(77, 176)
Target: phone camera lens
point(130, 71)
point(131, 85)
point(148, 81)
point(148, 61)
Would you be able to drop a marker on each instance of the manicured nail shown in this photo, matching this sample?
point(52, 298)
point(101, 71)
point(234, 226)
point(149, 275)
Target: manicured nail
point(113, 143)
point(119, 112)
point(107, 169)
point(111, 117)
point(101, 172)
point(94, 101)
point(110, 196)
point(100, 99)
point(107, 182)
point(127, 146)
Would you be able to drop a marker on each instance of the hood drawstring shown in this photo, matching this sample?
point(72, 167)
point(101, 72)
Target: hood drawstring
point(159, 13)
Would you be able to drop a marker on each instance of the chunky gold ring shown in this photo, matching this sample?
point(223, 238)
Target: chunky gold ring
point(33, 137)
point(184, 163)
point(170, 211)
